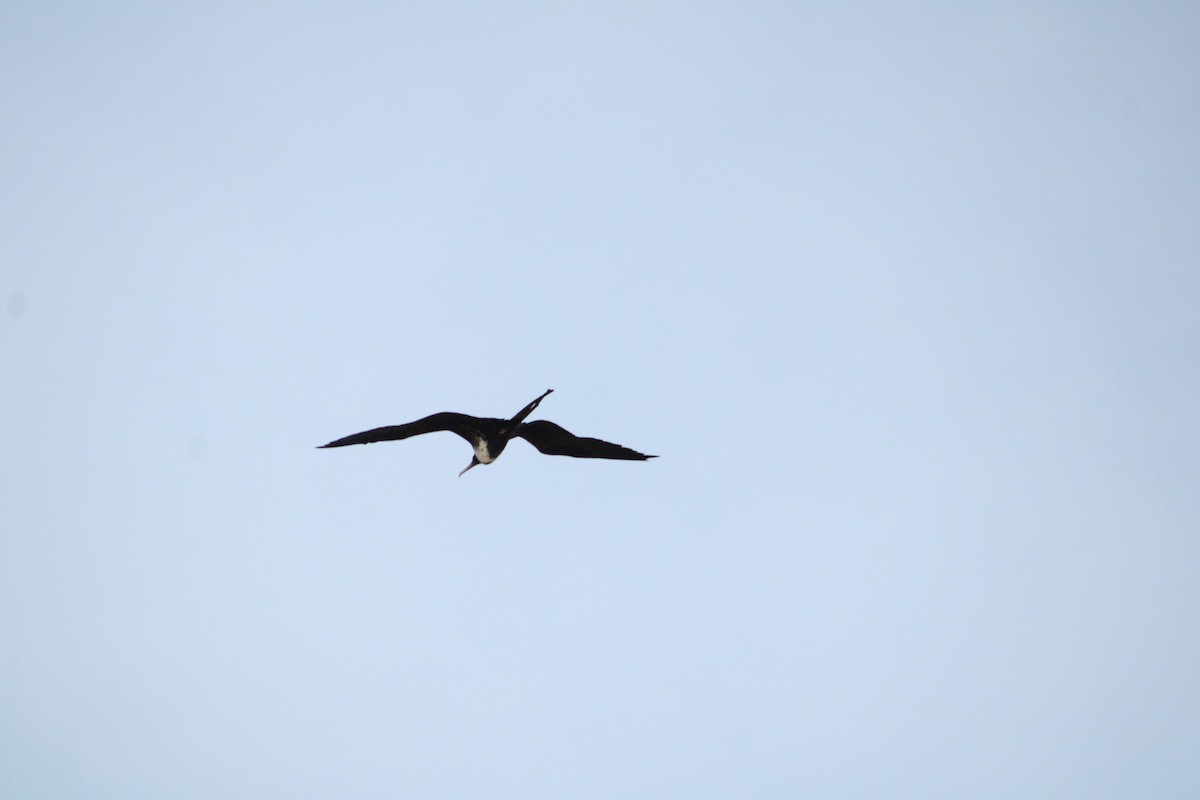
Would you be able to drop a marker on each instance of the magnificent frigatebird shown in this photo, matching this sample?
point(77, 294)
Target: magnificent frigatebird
point(490, 436)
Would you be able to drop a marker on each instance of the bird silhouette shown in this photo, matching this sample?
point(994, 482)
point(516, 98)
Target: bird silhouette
point(489, 436)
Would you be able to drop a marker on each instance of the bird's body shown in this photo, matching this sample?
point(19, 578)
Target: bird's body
point(489, 436)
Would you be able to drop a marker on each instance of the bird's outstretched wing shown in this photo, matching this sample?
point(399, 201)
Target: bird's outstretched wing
point(555, 440)
point(466, 426)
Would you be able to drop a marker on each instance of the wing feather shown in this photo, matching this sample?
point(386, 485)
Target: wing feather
point(555, 440)
point(466, 426)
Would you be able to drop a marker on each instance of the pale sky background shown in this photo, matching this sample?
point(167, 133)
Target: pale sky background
point(907, 298)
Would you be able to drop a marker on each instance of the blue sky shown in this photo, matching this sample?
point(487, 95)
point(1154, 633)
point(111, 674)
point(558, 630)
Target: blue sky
point(905, 297)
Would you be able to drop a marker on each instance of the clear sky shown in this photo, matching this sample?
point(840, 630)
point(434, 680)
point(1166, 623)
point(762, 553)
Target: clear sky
point(905, 296)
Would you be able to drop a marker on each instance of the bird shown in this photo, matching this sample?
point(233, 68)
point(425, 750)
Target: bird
point(489, 436)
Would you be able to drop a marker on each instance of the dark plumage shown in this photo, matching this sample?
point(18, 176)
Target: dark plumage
point(489, 436)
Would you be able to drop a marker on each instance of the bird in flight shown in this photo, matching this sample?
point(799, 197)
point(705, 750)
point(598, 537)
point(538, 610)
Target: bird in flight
point(489, 436)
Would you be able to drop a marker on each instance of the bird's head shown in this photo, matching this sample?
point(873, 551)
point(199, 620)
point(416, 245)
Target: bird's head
point(487, 450)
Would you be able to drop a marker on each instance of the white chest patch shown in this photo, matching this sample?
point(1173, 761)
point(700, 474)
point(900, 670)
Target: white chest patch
point(481, 452)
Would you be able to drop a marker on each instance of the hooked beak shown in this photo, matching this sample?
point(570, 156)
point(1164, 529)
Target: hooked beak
point(474, 461)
